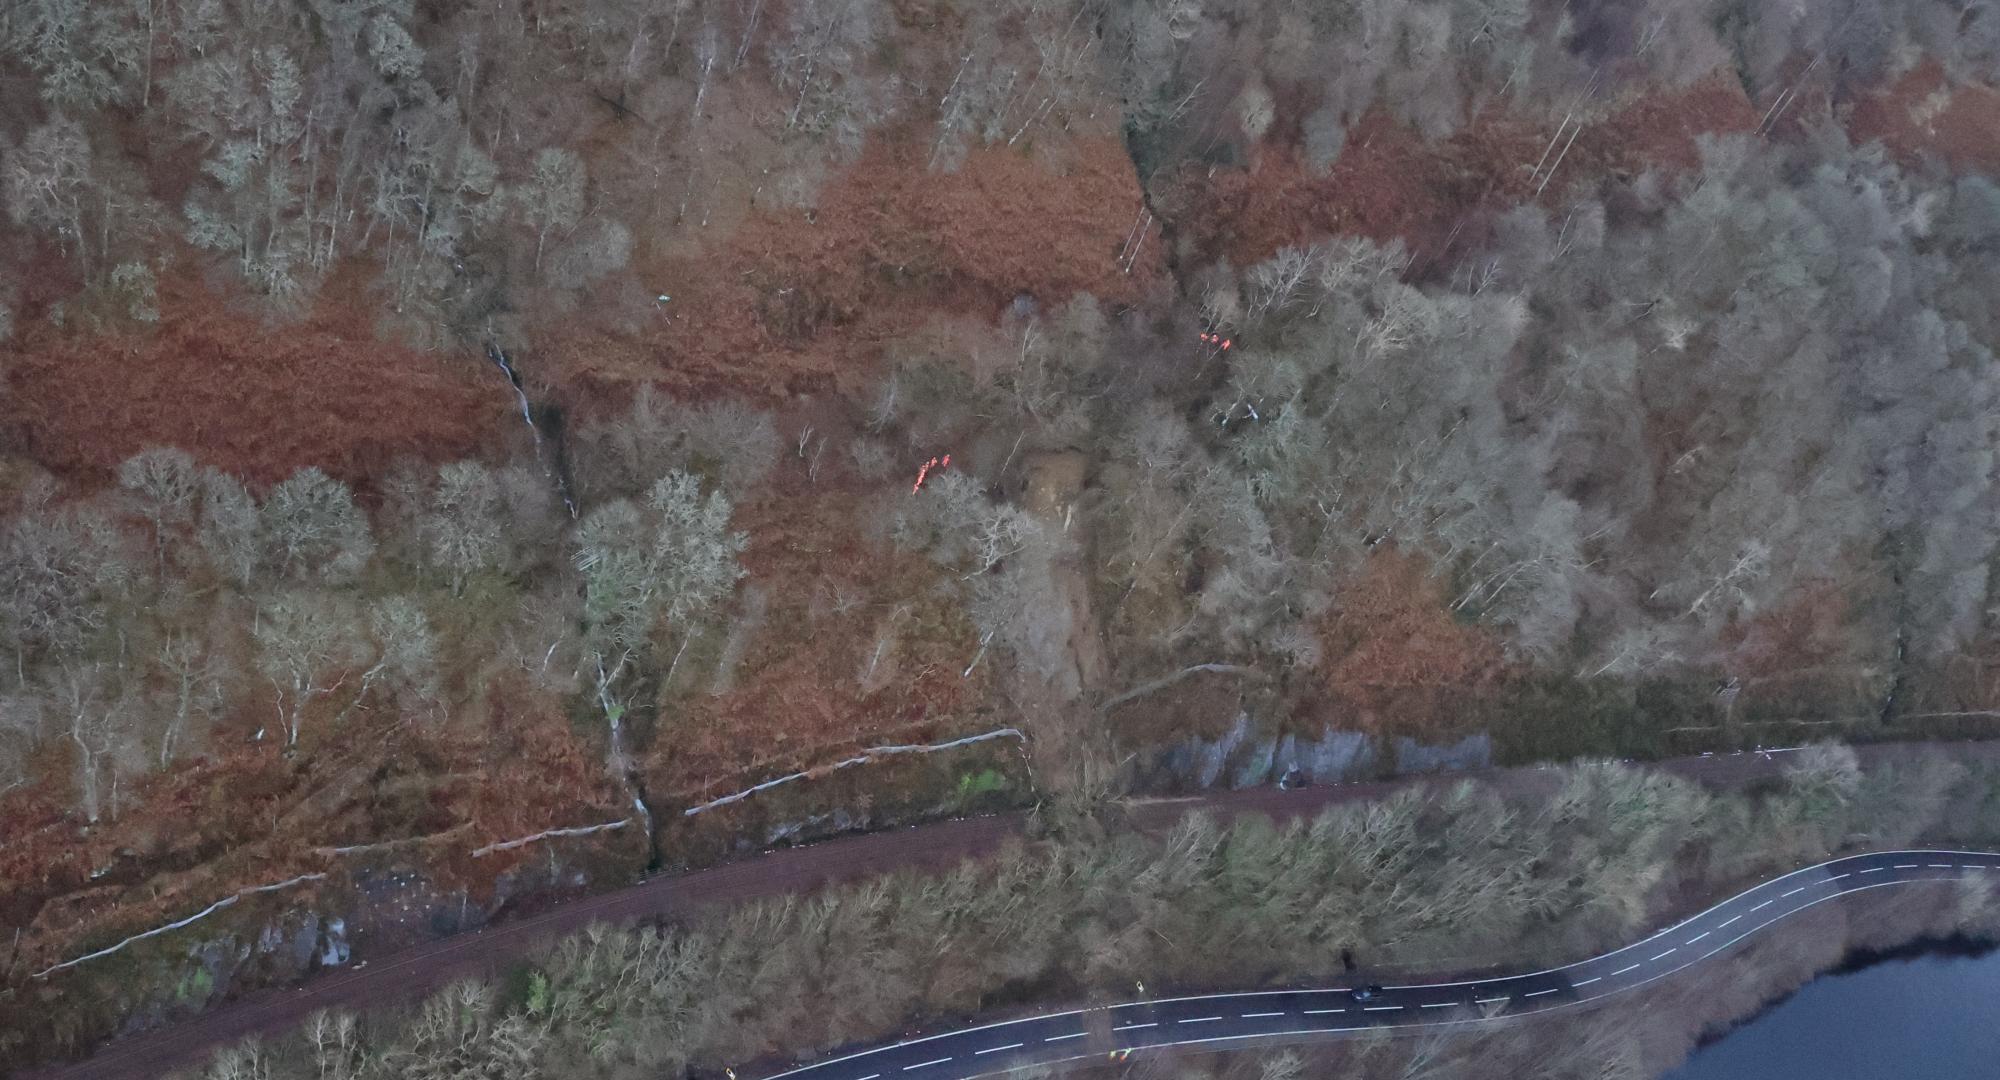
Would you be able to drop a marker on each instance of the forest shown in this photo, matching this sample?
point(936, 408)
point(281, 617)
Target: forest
point(459, 439)
point(1466, 875)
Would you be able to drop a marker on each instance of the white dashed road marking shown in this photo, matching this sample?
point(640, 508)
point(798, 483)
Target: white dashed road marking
point(1847, 868)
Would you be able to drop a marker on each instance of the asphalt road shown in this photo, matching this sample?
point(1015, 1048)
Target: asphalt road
point(385, 979)
point(1221, 1021)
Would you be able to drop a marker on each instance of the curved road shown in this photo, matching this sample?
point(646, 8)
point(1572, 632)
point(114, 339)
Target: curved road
point(1220, 1021)
point(381, 979)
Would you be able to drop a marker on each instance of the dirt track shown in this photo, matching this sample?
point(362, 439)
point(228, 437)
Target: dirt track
point(413, 971)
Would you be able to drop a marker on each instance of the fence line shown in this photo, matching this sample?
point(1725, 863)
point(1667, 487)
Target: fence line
point(202, 914)
point(863, 758)
point(581, 830)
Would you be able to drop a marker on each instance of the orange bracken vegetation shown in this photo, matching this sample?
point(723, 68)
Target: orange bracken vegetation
point(1390, 631)
point(807, 703)
point(255, 398)
point(793, 302)
point(1802, 635)
point(1390, 184)
point(246, 815)
point(1924, 114)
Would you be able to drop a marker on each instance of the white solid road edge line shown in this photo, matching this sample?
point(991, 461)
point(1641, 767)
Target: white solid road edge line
point(1266, 993)
point(1702, 914)
point(1479, 1020)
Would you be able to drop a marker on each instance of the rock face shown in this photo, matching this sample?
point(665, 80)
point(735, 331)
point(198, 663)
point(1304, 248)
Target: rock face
point(1240, 759)
point(334, 949)
point(1471, 752)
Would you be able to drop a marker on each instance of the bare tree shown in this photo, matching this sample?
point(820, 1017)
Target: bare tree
point(1325, 138)
point(194, 675)
point(61, 573)
point(406, 655)
point(551, 200)
point(164, 483)
point(310, 528)
point(819, 62)
point(462, 528)
point(741, 440)
point(1824, 773)
point(306, 642)
point(81, 50)
point(665, 563)
point(91, 714)
point(227, 530)
point(47, 182)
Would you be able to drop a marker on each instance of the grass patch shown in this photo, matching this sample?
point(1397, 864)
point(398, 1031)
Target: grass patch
point(983, 782)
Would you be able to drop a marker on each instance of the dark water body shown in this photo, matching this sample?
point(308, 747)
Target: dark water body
point(1928, 1015)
